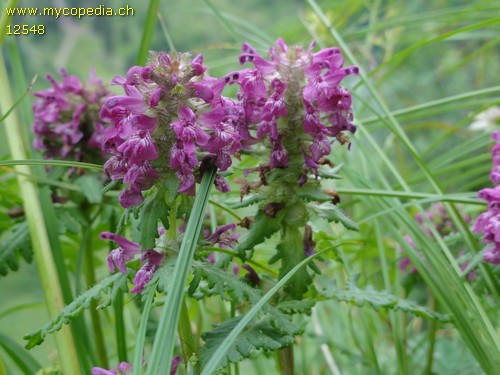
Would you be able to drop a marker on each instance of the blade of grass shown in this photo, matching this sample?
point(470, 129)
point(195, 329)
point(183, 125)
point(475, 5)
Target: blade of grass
point(62, 163)
point(5, 20)
point(20, 356)
point(28, 89)
point(39, 237)
point(147, 34)
point(163, 346)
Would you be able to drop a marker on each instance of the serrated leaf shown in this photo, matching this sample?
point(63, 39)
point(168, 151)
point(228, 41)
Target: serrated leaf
point(263, 227)
point(245, 202)
point(75, 308)
point(291, 252)
point(66, 221)
point(153, 209)
point(232, 288)
point(13, 244)
point(383, 299)
point(324, 172)
point(296, 306)
point(311, 193)
point(90, 186)
point(225, 284)
point(259, 336)
point(331, 212)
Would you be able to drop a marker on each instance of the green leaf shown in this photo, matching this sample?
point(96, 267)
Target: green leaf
point(15, 243)
point(165, 338)
point(90, 186)
point(263, 227)
point(223, 283)
point(325, 172)
point(220, 354)
point(331, 212)
point(154, 208)
point(382, 299)
point(259, 336)
point(311, 193)
point(22, 358)
point(75, 308)
point(291, 252)
point(245, 202)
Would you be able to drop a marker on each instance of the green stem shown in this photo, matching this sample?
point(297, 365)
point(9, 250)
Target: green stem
point(148, 32)
point(285, 360)
point(186, 336)
point(91, 280)
point(432, 338)
point(163, 346)
point(39, 237)
point(121, 338)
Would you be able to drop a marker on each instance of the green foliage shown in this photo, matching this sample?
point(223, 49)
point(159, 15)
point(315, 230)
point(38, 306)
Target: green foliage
point(331, 212)
point(153, 209)
point(291, 252)
point(14, 244)
point(377, 300)
point(263, 227)
point(20, 356)
point(273, 329)
point(110, 285)
point(260, 335)
point(90, 186)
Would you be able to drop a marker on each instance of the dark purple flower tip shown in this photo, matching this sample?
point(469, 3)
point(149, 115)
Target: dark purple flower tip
point(252, 275)
point(187, 185)
point(203, 91)
point(197, 65)
point(134, 75)
point(247, 48)
point(155, 97)
point(151, 259)
point(224, 236)
point(130, 197)
point(139, 147)
point(123, 254)
point(320, 147)
point(175, 363)
point(279, 156)
point(492, 255)
point(141, 176)
point(221, 184)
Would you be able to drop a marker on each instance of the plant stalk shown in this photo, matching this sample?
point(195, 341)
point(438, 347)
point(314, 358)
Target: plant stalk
point(41, 246)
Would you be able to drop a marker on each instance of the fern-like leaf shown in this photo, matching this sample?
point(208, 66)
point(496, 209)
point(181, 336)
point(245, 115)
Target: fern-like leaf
point(14, 244)
point(110, 285)
point(331, 212)
point(383, 299)
point(259, 336)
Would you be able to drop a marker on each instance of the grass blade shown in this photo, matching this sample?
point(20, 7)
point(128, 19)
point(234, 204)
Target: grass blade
point(163, 347)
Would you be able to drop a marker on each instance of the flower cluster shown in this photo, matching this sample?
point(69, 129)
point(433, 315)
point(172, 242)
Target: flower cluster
point(489, 222)
point(438, 217)
point(125, 252)
point(168, 121)
point(287, 98)
point(67, 123)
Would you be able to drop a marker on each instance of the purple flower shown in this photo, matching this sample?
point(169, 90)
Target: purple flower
point(251, 275)
point(224, 236)
point(170, 116)
point(66, 118)
point(286, 96)
point(122, 369)
point(151, 259)
point(123, 254)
